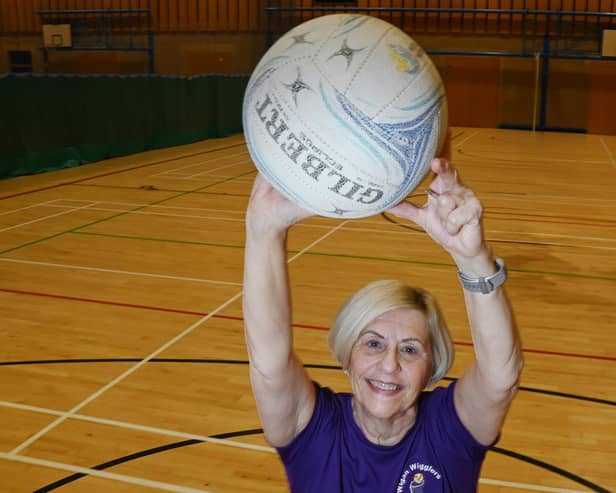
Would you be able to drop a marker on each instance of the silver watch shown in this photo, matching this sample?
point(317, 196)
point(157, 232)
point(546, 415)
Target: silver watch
point(487, 284)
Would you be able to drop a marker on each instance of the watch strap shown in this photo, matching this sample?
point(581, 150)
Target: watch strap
point(487, 284)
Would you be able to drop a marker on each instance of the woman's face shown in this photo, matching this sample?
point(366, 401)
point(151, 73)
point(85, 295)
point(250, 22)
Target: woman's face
point(390, 363)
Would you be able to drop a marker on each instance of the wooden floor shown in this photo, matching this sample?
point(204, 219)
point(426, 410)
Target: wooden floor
point(122, 360)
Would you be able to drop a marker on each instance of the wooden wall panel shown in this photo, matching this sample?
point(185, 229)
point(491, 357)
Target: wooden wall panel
point(233, 15)
point(183, 23)
point(472, 90)
point(602, 102)
point(172, 14)
point(243, 15)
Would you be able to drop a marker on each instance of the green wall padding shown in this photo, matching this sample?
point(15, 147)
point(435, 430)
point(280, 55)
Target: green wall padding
point(57, 121)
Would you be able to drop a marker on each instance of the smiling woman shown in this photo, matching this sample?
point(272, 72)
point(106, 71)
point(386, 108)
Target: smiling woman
point(389, 434)
point(375, 300)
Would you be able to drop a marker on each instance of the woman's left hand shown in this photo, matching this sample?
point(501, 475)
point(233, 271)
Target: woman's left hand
point(451, 216)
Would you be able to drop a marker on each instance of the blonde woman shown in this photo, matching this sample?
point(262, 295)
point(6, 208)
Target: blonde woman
point(389, 434)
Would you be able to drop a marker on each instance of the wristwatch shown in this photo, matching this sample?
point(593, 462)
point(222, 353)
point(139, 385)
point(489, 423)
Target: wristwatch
point(487, 284)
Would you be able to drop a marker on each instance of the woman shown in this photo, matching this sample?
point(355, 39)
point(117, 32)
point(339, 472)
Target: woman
point(389, 435)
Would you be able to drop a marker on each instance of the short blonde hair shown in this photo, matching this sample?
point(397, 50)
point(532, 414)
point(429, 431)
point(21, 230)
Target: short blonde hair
point(380, 297)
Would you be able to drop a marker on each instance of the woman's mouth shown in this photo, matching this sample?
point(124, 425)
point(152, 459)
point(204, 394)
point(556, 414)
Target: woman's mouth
point(383, 386)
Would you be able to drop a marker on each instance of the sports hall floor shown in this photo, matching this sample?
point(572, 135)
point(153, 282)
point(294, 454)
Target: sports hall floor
point(122, 360)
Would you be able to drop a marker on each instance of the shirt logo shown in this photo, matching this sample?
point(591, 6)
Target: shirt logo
point(416, 476)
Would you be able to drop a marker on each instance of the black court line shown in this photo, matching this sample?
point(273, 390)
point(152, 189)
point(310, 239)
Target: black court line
point(110, 173)
point(139, 455)
point(552, 393)
point(171, 446)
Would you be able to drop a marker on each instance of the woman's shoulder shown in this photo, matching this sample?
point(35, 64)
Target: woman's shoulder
point(437, 396)
point(328, 399)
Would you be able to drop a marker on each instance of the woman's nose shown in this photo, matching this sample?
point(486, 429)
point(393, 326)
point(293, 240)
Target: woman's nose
point(390, 362)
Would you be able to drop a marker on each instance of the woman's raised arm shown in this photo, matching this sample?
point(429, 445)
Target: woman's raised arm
point(283, 391)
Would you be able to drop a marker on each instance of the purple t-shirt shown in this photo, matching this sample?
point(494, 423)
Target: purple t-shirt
point(332, 455)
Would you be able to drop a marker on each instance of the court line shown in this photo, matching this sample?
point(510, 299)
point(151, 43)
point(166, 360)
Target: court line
point(520, 216)
point(316, 366)
point(133, 206)
point(137, 427)
point(202, 163)
point(351, 226)
point(212, 171)
point(41, 204)
point(124, 272)
point(47, 217)
point(72, 230)
point(458, 146)
point(100, 474)
point(359, 257)
point(294, 324)
point(110, 173)
point(239, 444)
point(33, 438)
point(608, 151)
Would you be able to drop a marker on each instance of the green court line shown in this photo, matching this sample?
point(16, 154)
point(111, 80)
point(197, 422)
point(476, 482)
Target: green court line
point(162, 240)
point(348, 256)
point(444, 264)
point(75, 230)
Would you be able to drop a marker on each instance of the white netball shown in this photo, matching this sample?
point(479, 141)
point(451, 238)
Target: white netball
point(343, 115)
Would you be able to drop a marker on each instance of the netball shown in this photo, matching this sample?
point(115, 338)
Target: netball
point(343, 115)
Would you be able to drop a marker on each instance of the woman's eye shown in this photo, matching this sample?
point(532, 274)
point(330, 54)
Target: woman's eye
point(373, 344)
point(410, 350)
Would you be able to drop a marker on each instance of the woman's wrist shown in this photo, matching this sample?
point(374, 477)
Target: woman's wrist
point(481, 265)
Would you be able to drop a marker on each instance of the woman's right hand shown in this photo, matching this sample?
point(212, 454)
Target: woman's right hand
point(269, 212)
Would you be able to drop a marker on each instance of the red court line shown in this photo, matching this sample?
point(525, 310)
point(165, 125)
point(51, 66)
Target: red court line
point(239, 319)
point(102, 175)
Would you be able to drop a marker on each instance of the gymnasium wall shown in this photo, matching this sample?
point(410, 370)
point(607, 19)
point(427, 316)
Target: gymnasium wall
point(227, 37)
point(58, 121)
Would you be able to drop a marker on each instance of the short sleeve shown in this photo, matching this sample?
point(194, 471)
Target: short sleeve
point(448, 429)
point(318, 429)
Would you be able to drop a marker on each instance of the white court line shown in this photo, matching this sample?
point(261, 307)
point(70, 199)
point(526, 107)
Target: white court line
point(237, 444)
point(114, 271)
point(608, 151)
point(14, 454)
point(464, 141)
point(153, 206)
point(101, 474)
point(370, 230)
point(47, 217)
point(202, 163)
point(183, 216)
point(33, 438)
point(210, 171)
point(41, 204)
point(137, 427)
point(355, 229)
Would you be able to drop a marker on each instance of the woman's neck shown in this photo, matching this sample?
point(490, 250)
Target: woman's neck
point(384, 431)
